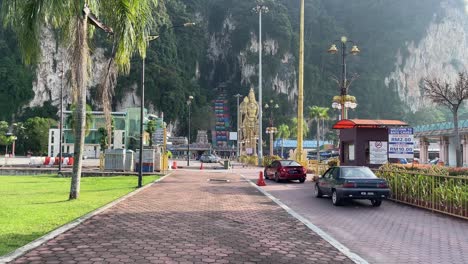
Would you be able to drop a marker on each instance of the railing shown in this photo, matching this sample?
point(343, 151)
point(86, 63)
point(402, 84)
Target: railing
point(444, 194)
point(316, 167)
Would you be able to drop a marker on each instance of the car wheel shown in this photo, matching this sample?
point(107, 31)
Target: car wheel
point(277, 179)
point(336, 200)
point(376, 203)
point(317, 191)
point(265, 175)
point(302, 180)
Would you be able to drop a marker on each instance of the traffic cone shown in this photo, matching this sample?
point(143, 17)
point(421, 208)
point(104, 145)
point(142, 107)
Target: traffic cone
point(260, 181)
point(174, 165)
point(201, 165)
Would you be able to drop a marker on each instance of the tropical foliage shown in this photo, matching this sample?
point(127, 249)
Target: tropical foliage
point(430, 188)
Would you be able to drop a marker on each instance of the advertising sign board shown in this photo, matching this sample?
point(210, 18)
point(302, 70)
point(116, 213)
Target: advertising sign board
point(401, 143)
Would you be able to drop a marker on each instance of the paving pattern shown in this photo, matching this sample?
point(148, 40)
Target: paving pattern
point(187, 219)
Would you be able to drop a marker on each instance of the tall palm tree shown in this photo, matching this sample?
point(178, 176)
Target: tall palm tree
point(318, 114)
point(293, 127)
point(323, 116)
point(130, 22)
point(283, 132)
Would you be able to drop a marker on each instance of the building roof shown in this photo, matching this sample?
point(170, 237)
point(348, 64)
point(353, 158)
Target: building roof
point(367, 123)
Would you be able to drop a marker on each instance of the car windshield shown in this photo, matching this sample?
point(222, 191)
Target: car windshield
point(289, 163)
point(357, 172)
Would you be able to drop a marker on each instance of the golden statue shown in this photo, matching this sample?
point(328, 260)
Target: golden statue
point(249, 110)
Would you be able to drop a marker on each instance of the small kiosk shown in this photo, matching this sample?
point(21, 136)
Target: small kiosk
point(364, 142)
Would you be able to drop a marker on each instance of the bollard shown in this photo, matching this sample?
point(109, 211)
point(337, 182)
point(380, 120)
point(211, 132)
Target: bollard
point(174, 165)
point(201, 165)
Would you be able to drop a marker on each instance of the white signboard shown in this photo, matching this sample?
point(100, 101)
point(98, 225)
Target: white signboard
point(401, 143)
point(232, 135)
point(378, 152)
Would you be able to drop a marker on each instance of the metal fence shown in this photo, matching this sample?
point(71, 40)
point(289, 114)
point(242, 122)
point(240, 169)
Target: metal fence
point(444, 194)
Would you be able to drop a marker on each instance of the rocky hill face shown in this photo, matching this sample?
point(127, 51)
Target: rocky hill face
point(401, 42)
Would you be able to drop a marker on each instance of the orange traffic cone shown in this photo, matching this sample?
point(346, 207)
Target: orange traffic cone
point(201, 165)
point(260, 181)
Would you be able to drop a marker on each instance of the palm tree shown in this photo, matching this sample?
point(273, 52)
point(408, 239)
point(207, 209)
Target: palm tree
point(129, 22)
point(318, 114)
point(283, 132)
point(293, 127)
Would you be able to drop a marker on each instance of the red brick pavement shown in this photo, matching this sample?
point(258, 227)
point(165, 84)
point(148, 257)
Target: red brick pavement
point(187, 219)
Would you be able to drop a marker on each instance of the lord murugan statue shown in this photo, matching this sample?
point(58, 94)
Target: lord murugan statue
point(249, 110)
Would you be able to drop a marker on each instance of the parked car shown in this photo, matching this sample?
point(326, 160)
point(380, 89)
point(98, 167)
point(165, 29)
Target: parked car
point(209, 158)
point(351, 182)
point(285, 170)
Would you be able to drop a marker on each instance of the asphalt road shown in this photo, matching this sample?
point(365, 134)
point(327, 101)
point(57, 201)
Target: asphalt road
point(392, 233)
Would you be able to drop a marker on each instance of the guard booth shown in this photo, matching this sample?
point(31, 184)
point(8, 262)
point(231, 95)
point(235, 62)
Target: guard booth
point(364, 142)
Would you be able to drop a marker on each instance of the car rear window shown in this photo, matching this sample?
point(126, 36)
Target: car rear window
point(357, 172)
point(289, 163)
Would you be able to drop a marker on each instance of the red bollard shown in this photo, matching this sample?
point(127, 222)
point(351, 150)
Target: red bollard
point(174, 165)
point(260, 181)
point(201, 165)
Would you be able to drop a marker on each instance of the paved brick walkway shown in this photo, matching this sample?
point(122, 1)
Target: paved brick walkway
point(187, 219)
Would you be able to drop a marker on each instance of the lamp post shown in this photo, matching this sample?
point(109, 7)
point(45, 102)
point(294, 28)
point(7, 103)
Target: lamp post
point(189, 102)
point(61, 121)
point(142, 105)
point(344, 101)
point(238, 122)
point(271, 130)
point(260, 8)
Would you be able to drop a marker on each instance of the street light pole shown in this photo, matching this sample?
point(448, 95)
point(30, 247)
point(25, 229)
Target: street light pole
point(142, 105)
point(189, 102)
point(238, 122)
point(61, 121)
point(260, 8)
point(344, 101)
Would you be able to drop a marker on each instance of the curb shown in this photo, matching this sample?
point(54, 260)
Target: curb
point(54, 233)
point(340, 247)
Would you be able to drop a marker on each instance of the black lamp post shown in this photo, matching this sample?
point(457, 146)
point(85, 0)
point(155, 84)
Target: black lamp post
point(344, 101)
point(61, 121)
point(271, 129)
point(142, 106)
point(189, 102)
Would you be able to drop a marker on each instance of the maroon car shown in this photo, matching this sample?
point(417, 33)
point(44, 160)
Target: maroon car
point(285, 170)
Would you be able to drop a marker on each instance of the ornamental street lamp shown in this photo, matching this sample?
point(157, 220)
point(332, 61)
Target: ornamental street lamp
point(142, 105)
point(189, 102)
point(260, 8)
point(271, 130)
point(344, 101)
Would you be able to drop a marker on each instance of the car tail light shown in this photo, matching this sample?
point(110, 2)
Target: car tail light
point(304, 170)
point(382, 185)
point(349, 185)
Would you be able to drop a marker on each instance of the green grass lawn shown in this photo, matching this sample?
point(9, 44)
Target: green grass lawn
point(31, 206)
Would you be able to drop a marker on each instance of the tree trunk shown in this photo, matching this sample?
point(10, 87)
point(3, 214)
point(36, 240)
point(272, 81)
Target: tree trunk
point(80, 62)
point(458, 153)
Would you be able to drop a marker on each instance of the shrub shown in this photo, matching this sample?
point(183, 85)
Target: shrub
point(333, 162)
point(267, 160)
